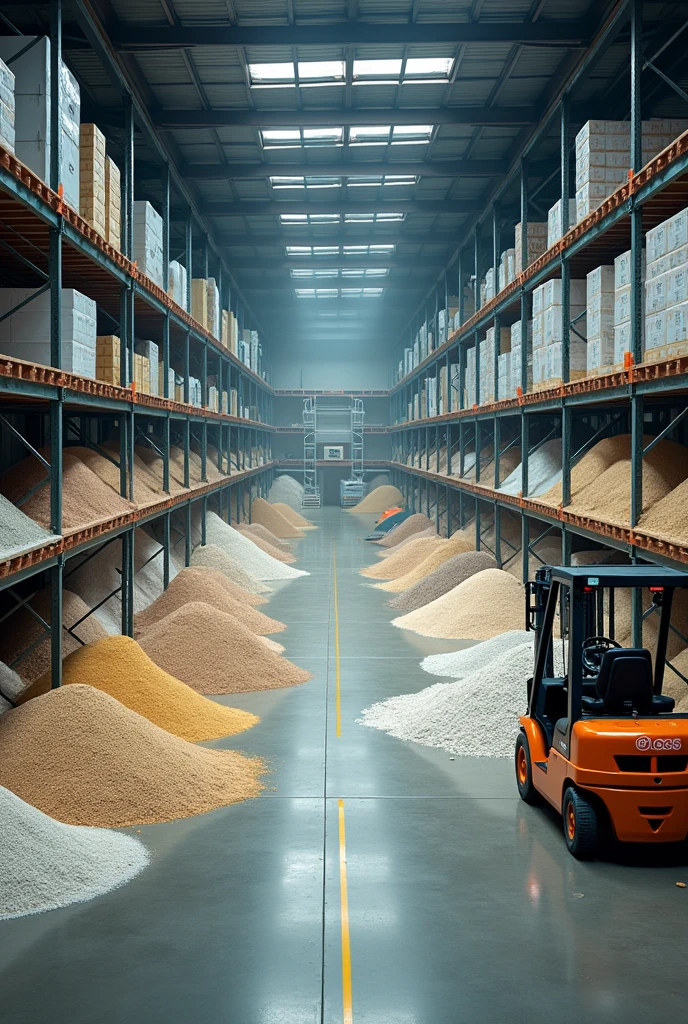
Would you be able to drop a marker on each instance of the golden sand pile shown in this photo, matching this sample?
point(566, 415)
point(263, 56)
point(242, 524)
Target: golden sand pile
point(405, 530)
point(455, 546)
point(407, 558)
point(294, 517)
point(144, 491)
point(79, 755)
point(673, 685)
point(430, 531)
point(118, 666)
point(256, 530)
point(214, 653)
point(667, 519)
point(379, 500)
point(487, 603)
point(272, 519)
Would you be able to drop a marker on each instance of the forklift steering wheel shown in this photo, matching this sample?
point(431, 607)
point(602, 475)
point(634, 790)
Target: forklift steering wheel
point(594, 649)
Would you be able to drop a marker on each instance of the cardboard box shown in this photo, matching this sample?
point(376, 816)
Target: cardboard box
point(199, 301)
point(148, 242)
point(113, 204)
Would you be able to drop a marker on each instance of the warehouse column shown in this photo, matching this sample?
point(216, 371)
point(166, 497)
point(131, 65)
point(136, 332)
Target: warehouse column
point(525, 295)
point(565, 269)
point(636, 300)
point(188, 258)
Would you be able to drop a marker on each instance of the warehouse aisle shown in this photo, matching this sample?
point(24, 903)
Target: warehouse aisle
point(463, 905)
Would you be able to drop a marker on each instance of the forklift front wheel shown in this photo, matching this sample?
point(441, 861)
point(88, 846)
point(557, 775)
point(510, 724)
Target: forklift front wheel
point(580, 825)
point(524, 772)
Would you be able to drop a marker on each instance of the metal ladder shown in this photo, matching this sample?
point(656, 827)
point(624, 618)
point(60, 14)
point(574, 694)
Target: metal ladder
point(352, 490)
point(311, 491)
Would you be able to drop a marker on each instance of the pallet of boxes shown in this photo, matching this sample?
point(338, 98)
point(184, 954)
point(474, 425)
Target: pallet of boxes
point(548, 334)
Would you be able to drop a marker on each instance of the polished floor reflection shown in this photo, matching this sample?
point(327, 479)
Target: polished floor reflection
point(464, 906)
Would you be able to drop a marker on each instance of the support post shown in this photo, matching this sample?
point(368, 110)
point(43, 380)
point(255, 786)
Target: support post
point(565, 268)
point(166, 546)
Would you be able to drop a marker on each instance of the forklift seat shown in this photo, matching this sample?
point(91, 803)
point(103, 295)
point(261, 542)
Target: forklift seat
point(624, 685)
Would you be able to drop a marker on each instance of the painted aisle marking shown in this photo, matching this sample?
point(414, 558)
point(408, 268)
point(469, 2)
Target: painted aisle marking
point(347, 1003)
point(337, 665)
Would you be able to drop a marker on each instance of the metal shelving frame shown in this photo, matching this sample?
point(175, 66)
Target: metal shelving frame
point(652, 194)
point(41, 234)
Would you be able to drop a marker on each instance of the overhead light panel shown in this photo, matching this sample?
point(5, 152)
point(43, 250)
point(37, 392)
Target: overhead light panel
point(309, 218)
point(373, 218)
point(317, 72)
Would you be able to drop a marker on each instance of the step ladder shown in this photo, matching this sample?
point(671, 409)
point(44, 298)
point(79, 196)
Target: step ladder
point(311, 491)
point(352, 490)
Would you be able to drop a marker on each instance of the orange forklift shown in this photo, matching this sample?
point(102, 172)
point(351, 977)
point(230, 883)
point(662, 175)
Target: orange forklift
point(600, 742)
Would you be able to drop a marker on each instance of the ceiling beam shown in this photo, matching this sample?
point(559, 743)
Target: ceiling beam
point(269, 207)
point(297, 237)
point(573, 33)
point(426, 168)
point(357, 116)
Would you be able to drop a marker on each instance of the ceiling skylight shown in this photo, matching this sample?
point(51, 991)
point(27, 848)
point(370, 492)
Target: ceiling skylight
point(309, 218)
point(396, 72)
point(288, 74)
point(369, 135)
point(338, 293)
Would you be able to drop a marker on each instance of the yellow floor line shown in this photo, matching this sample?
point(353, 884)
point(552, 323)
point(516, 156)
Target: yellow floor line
point(337, 662)
point(347, 1003)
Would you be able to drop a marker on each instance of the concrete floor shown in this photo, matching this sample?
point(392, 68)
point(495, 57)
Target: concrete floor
point(464, 906)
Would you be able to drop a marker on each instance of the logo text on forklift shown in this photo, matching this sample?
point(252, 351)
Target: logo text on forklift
point(647, 743)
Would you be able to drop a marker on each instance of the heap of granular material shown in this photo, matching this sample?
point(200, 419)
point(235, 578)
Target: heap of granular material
point(214, 653)
point(144, 490)
point(402, 561)
point(487, 603)
point(668, 518)
point(455, 546)
point(229, 586)
point(251, 558)
point(294, 517)
point(11, 683)
point(414, 524)
point(384, 553)
point(476, 717)
point(198, 584)
point(118, 667)
point(267, 515)
point(212, 556)
point(47, 864)
point(23, 630)
point(447, 576)
point(254, 530)
point(86, 500)
point(457, 664)
point(269, 549)
point(286, 490)
point(82, 757)
point(18, 533)
point(544, 471)
point(379, 500)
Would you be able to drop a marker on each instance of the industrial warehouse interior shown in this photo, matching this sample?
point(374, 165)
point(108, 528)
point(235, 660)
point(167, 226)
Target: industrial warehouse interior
point(343, 511)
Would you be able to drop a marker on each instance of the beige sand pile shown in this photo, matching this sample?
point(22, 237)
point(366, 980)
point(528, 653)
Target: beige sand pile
point(421, 535)
point(21, 630)
point(272, 645)
point(265, 514)
point(82, 757)
point(407, 558)
point(294, 517)
point(668, 518)
point(414, 524)
point(144, 491)
point(229, 586)
point(200, 584)
point(269, 549)
point(118, 667)
point(487, 603)
point(215, 558)
point(85, 498)
point(623, 621)
point(214, 653)
point(256, 530)
point(673, 685)
point(455, 546)
point(447, 576)
point(379, 500)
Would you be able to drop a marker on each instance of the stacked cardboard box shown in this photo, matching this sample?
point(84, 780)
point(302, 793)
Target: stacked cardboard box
point(536, 241)
point(149, 350)
point(92, 177)
point(113, 204)
point(555, 227)
point(507, 268)
point(517, 358)
point(623, 270)
point(148, 241)
point(26, 333)
point(6, 108)
point(199, 301)
point(666, 289)
point(600, 319)
point(142, 374)
point(108, 358)
point(487, 390)
point(176, 283)
point(32, 89)
point(548, 333)
point(470, 392)
point(213, 303)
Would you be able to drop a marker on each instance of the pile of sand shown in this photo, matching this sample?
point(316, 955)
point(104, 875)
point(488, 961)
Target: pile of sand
point(47, 864)
point(265, 514)
point(254, 530)
point(379, 500)
point(455, 546)
point(673, 685)
point(287, 490)
point(202, 584)
point(269, 549)
point(667, 519)
point(145, 492)
point(414, 524)
point(485, 604)
point(445, 577)
point(82, 757)
point(214, 653)
point(118, 667)
point(22, 630)
point(18, 533)
point(250, 557)
point(420, 535)
point(86, 500)
point(294, 517)
point(212, 556)
point(402, 561)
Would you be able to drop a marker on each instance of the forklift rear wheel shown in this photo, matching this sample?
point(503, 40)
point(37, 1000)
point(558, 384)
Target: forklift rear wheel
point(580, 825)
point(524, 772)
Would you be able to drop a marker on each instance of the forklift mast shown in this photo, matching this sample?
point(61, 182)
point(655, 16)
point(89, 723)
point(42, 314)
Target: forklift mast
point(537, 594)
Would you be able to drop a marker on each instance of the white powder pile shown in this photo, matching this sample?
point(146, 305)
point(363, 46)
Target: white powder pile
point(457, 664)
point(210, 555)
point(18, 533)
point(544, 471)
point(476, 717)
point(287, 490)
point(47, 864)
point(254, 561)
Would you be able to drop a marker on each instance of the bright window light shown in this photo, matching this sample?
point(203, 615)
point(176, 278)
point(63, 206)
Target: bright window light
point(322, 136)
point(372, 293)
point(286, 138)
point(309, 218)
point(281, 181)
point(365, 250)
point(312, 250)
point(367, 135)
point(310, 272)
point(411, 133)
point(426, 67)
point(310, 181)
point(322, 181)
point(322, 70)
point(274, 74)
point(379, 69)
point(371, 180)
point(362, 293)
point(280, 137)
point(373, 218)
point(316, 293)
point(360, 272)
